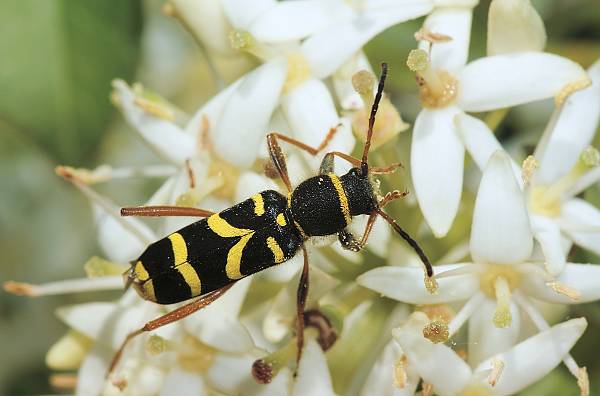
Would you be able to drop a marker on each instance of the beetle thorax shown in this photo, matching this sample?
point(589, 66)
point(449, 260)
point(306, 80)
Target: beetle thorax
point(325, 204)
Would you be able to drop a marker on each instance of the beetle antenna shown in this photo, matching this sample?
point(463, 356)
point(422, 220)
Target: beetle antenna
point(364, 163)
point(410, 241)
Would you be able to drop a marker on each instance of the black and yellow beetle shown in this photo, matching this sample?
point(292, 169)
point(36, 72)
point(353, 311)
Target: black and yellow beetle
point(207, 257)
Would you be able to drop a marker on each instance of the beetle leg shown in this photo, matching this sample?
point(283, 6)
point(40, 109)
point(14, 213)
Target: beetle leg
point(165, 210)
point(300, 304)
point(349, 241)
point(170, 317)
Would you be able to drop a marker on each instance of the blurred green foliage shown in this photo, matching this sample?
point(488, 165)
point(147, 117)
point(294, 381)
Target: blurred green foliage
point(59, 57)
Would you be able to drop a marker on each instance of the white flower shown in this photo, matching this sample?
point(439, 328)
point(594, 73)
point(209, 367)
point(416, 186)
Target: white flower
point(450, 88)
point(566, 167)
point(501, 246)
point(504, 373)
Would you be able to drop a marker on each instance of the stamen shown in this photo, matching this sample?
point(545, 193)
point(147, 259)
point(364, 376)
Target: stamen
point(155, 109)
point(570, 88)
point(157, 345)
point(497, 368)
point(243, 41)
point(565, 290)
point(265, 369)
point(97, 267)
point(426, 389)
point(431, 284)
point(363, 82)
point(530, 164)
point(64, 287)
point(298, 71)
point(437, 87)
point(425, 34)
point(502, 315)
point(64, 382)
point(111, 209)
point(399, 372)
point(100, 174)
point(583, 381)
point(465, 313)
point(436, 331)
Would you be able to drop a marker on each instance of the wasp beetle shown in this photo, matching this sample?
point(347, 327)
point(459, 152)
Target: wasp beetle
point(207, 257)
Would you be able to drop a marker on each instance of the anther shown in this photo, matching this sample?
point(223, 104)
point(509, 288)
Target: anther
point(565, 290)
point(497, 368)
point(399, 373)
point(266, 368)
point(436, 331)
point(530, 164)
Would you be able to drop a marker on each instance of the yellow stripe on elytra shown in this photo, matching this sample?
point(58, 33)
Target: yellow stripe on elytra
point(299, 228)
point(191, 278)
point(276, 249)
point(342, 195)
point(234, 258)
point(148, 290)
point(223, 229)
point(259, 204)
point(140, 272)
point(281, 219)
point(180, 252)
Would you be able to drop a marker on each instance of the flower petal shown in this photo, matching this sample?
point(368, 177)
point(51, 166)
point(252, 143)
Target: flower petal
point(381, 378)
point(456, 23)
point(242, 13)
point(547, 233)
point(294, 20)
point(90, 378)
point(163, 136)
point(582, 278)
point(436, 148)
point(485, 339)
point(183, 383)
point(313, 374)
point(406, 284)
point(507, 80)
point(514, 26)
point(438, 364)
point(480, 141)
point(578, 213)
point(311, 113)
point(330, 48)
point(573, 131)
point(217, 324)
point(207, 21)
point(533, 358)
point(500, 233)
point(342, 81)
point(247, 113)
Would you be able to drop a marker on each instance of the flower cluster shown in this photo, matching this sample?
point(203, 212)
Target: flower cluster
point(373, 328)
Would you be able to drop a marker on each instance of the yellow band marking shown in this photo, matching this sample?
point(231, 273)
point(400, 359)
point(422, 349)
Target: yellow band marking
point(276, 249)
point(259, 204)
point(148, 291)
point(191, 278)
point(180, 252)
point(299, 228)
point(140, 272)
point(281, 220)
point(223, 229)
point(289, 200)
point(342, 196)
point(234, 258)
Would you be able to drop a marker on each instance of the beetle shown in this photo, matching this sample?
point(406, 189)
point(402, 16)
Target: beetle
point(206, 258)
